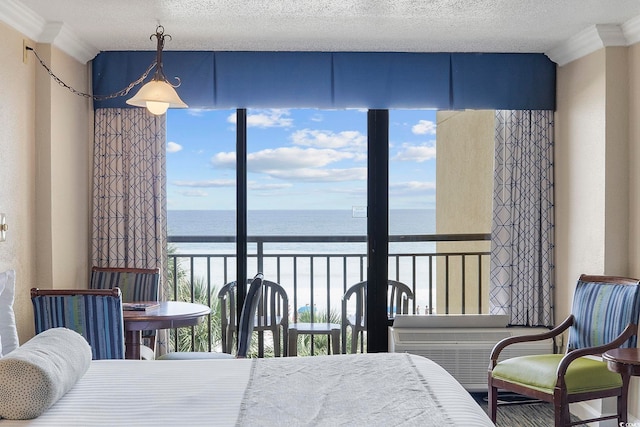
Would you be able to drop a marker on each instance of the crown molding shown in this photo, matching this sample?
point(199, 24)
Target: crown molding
point(587, 41)
point(21, 18)
point(594, 38)
point(33, 26)
point(631, 30)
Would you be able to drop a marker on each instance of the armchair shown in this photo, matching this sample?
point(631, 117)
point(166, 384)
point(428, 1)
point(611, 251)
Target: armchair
point(604, 316)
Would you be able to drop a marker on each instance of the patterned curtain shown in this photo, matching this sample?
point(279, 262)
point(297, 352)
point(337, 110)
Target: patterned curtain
point(129, 189)
point(522, 261)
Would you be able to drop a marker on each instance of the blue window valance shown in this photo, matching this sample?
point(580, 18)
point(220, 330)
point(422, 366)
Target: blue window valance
point(339, 79)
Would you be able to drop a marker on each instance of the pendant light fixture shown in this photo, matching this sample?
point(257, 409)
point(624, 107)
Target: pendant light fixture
point(158, 95)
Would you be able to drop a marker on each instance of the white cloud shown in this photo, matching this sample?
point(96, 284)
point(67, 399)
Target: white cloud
point(352, 140)
point(416, 153)
point(173, 147)
point(424, 127)
point(266, 118)
point(253, 185)
point(193, 193)
point(412, 187)
point(214, 183)
point(360, 191)
point(196, 112)
point(321, 175)
point(283, 158)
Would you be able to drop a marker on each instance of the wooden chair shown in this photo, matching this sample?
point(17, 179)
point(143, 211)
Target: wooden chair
point(95, 314)
point(245, 330)
point(136, 284)
point(604, 316)
point(399, 296)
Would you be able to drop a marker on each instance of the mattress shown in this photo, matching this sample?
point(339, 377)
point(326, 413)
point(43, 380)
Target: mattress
point(373, 389)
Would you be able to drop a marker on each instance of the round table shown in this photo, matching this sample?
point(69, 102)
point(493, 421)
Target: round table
point(623, 360)
point(626, 362)
point(166, 315)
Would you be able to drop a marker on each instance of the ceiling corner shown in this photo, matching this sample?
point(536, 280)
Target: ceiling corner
point(59, 35)
point(594, 38)
point(21, 18)
point(33, 26)
point(631, 30)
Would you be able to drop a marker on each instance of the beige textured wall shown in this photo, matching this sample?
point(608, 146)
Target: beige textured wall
point(44, 172)
point(17, 171)
point(69, 146)
point(464, 200)
point(634, 160)
point(580, 174)
point(634, 189)
point(593, 185)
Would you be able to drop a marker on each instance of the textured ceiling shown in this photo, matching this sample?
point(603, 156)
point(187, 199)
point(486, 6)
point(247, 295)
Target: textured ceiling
point(333, 25)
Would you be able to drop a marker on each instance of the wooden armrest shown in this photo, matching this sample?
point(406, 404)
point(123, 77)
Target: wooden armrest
point(629, 331)
point(497, 349)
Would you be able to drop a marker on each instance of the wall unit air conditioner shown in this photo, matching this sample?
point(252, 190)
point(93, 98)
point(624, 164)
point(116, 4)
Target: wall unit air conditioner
point(462, 344)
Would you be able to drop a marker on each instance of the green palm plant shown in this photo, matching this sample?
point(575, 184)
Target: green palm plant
point(207, 335)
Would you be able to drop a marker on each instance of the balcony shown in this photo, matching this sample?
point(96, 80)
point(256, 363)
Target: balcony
point(448, 273)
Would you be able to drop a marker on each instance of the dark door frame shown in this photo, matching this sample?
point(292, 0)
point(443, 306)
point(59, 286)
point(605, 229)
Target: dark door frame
point(377, 223)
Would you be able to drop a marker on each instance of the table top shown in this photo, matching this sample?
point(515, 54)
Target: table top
point(314, 327)
point(626, 356)
point(166, 315)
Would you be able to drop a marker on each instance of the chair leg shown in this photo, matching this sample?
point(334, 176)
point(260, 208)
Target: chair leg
point(354, 340)
point(152, 342)
point(275, 333)
point(622, 400)
point(562, 416)
point(492, 397)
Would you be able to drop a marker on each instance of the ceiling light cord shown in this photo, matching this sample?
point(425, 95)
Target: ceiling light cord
point(157, 95)
point(122, 92)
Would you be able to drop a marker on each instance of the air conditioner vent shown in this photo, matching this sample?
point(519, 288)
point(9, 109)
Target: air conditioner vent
point(464, 352)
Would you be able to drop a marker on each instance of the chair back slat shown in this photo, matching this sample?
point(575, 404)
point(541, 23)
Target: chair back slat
point(248, 315)
point(95, 315)
point(603, 307)
point(227, 300)
point(136, 284)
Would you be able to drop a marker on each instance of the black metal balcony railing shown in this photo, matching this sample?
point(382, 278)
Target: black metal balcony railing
point(448, 273)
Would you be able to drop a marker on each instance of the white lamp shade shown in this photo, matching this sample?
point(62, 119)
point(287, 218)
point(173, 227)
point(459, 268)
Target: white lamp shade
point(157, 96)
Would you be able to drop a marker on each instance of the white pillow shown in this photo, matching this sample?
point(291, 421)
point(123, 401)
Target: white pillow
point(36, 375)
point(8, 331)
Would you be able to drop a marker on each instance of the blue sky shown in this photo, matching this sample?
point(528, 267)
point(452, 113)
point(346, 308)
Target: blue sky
point(296, 159)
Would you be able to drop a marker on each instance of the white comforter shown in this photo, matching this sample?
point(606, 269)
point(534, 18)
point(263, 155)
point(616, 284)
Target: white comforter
point(380, 389)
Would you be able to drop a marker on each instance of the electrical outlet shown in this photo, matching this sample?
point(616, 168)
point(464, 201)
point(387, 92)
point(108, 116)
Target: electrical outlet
point(25, 52)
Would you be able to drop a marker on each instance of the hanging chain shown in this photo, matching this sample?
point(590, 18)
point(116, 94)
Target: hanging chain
point(122, 92)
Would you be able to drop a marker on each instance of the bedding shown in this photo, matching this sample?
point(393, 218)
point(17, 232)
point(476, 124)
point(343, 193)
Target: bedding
point(8, 331)
point(371, 389)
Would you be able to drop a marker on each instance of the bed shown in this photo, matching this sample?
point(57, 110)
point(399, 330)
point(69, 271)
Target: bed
point(371, 389)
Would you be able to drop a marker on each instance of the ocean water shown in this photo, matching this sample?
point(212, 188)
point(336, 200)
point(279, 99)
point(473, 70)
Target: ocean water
point(296, 223)
point(320, 282)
